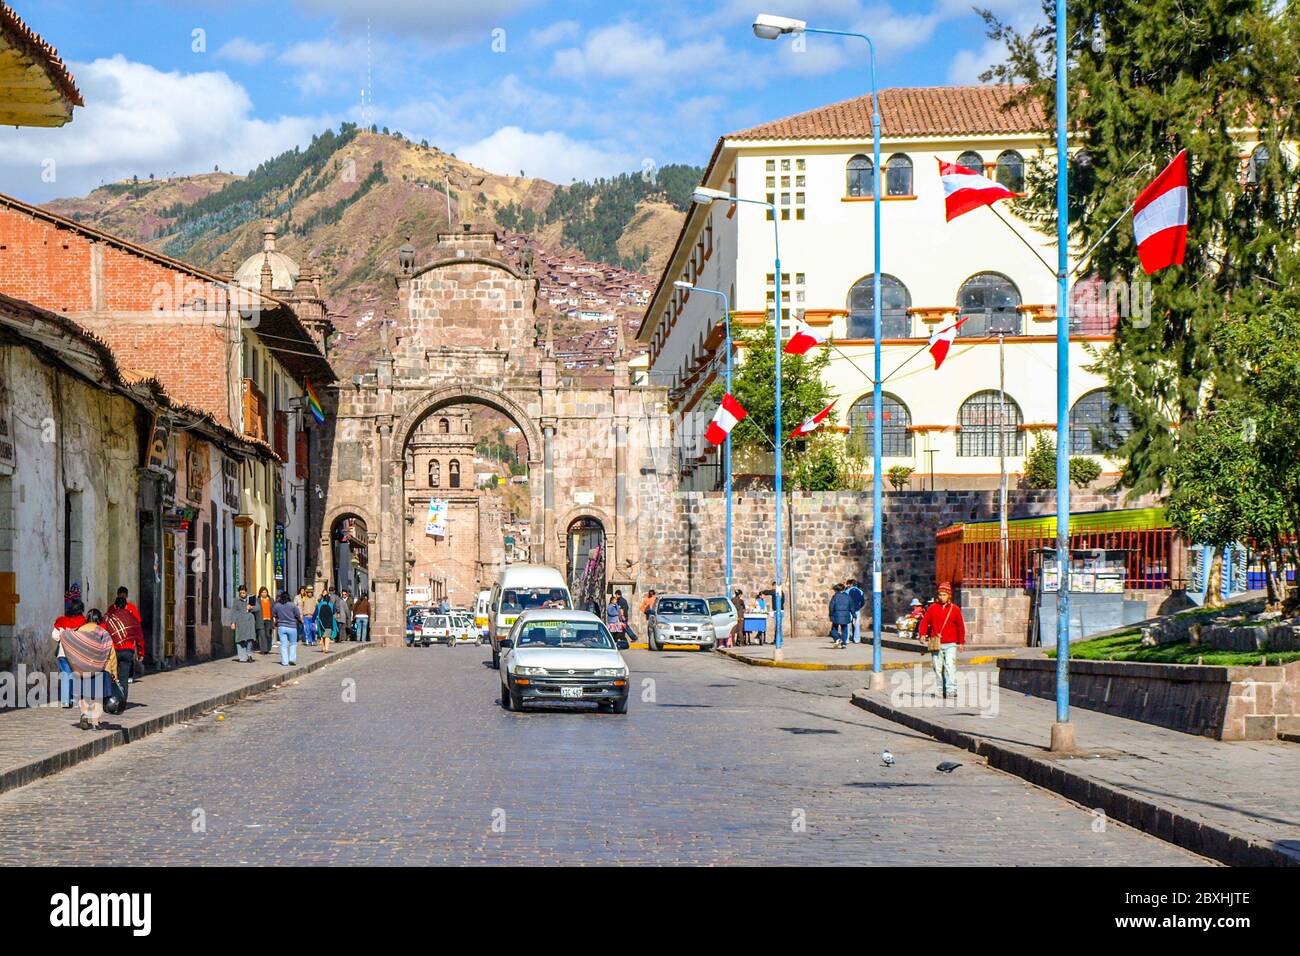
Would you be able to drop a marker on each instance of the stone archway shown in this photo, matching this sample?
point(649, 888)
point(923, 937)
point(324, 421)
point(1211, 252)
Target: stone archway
point(327, 571)
point(438, 398)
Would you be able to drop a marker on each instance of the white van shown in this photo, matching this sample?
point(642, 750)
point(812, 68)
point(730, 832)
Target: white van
point(519, 588)
point(481, 617)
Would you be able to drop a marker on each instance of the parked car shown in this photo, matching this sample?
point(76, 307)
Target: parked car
point(723, 613)
point(519, 588)
point(434, 628)
point(681, 619)
point(466, 632)
point(560, 655)
point(413, 614)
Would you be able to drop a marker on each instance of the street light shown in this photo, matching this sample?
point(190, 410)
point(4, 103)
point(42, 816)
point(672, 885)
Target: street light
point(726, 451)
point(705, 196)
point(768, 26)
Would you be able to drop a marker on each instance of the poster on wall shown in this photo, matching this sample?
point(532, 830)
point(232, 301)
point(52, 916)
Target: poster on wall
point(279, 552)
point(436, 525)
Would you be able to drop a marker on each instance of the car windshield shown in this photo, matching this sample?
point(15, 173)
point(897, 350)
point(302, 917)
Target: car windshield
point(682, 606)
point(719, 606)
point(434, 620)
point(580, 634)
point(523, 599)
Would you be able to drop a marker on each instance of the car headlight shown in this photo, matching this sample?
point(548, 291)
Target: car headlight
point(532, 671)
point(611, 672)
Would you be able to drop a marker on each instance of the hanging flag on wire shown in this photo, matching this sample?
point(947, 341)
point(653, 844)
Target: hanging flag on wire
point(804, 338)
point(941, 342)
point(729, 414)
point(810, 425)
point(964, 190)
point(1160, 218)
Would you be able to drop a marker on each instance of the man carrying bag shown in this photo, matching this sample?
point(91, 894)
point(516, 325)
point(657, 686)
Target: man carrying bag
point(943, 630)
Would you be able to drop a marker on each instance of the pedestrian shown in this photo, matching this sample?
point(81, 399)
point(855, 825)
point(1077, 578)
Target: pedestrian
point(627, 613)
point(343, 615)
point(73, 616)
point(287, 618)
point(648, 607)
point(244, 625)
point(264, 621)
point(88, 650)
point(859, 600)
point(361, 618)
point(944, 631)
point(307, 605)
point(128, 637)
point(325, 620)
point(614, 616)
point(737, 634)
point(124, 595)
point(841, 615)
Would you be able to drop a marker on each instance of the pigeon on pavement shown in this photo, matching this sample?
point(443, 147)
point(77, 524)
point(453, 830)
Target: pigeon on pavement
point(888, 758)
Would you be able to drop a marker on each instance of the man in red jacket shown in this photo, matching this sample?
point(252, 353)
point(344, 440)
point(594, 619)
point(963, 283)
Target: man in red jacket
point(943, 620)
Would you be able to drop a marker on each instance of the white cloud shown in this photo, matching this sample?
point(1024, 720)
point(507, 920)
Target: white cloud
point(443, 23)
point(549, 155)
point(557, 32)
point(328, 66)
point(247, 52)
point(639, 56)
point(139, 120)
point(967, 65)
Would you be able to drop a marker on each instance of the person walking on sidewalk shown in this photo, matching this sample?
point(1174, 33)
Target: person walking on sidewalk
point(73, 616)
point(88, 650)
point(264, 621)
point(944, 631)
point(841, 614)
point(859, 600)
point(244, 625)
point(128, 637)
point(325, 620)
point(343, 615)
point(307, 605)
point(361, 618)
point(125, 596)
point(287, 620)
point(627, 614)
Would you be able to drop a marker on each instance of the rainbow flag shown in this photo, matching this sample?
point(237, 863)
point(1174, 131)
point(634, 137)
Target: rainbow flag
point(313, 403)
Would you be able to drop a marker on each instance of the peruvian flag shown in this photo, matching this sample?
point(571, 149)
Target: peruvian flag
point(1160, 218)
point(812, 424)
point(804, 338)
point(964, 190)
point(941, 342)
point(729, 414)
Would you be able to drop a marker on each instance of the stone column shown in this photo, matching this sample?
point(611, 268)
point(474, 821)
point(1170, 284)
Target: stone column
point(548, 494)
point(618, 564)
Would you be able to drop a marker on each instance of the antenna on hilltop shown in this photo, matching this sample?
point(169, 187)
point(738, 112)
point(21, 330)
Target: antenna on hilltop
point(368, 91)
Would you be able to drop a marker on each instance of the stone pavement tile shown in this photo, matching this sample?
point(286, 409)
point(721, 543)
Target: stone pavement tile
point(1242, 796)
point(35, 741)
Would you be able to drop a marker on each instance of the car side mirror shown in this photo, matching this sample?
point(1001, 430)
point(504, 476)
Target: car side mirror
point(623, 644)
point(506, 643)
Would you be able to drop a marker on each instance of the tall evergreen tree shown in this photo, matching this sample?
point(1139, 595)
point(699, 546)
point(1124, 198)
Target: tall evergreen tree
point(1146, 79)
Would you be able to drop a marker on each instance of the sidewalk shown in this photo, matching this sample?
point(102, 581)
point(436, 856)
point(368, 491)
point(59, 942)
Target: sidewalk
point(813, 654)
point(36, 742)
point(1234, 802)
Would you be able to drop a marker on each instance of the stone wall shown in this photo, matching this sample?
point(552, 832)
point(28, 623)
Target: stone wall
point(1228, 703)
point(683, 543)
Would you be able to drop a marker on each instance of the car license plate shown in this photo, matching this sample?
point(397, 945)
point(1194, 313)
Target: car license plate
point(570, 691)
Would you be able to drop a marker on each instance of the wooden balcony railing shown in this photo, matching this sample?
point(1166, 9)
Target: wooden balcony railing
point(254, 412)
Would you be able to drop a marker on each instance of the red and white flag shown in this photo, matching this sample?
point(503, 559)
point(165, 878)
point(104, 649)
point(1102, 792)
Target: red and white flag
point(729, 414)
point(964, 190)
point(810, 425)
point(941, 342)
point(1160, 218)
point(804, 338)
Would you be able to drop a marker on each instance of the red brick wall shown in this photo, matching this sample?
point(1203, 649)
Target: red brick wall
point(51, 267)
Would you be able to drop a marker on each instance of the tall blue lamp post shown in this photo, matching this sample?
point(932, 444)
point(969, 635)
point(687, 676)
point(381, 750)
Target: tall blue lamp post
point(705, 196)
point(726, 449)
point(768, 26)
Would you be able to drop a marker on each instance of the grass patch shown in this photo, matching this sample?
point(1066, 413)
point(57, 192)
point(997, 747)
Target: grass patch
point(1128, 647)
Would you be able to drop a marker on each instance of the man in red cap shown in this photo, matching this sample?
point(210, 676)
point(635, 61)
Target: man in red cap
point(943, 620)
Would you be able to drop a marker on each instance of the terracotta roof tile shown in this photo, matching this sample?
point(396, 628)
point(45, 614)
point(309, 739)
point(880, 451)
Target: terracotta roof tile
point(911, 111)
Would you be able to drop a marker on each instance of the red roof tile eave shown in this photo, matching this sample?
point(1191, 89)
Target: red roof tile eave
point(39, 49)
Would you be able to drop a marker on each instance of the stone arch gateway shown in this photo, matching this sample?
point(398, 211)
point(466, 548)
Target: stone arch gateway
point(466, 332)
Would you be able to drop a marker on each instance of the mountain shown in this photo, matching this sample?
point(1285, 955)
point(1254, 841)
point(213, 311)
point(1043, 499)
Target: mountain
point(345, 204)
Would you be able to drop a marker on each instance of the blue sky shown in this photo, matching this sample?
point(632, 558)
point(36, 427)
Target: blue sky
point(560, 90)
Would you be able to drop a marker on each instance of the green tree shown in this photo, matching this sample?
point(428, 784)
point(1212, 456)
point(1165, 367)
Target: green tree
point(1040, 465)
point(1146, 79)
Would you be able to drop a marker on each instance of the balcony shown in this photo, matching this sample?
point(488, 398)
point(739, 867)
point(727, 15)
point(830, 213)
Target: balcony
point(254, 412)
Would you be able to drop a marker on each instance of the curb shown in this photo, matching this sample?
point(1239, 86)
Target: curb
point(1191, 833)
point(15, 777)
point(813, 666)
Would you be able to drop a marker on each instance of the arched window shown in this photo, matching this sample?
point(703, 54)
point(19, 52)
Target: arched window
point(453, 473)
point(895, 300)
point(898, 176)
point(973, 161)
point(443, 426)
point(1258, 164)
point(1098, 424)
point(990, 304)
point(860, 176)
point(1011, 171)
point(895, 437)
point(435, 473)
point(983, 418)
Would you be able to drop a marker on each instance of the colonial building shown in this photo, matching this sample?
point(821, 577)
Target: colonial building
point(815, 168)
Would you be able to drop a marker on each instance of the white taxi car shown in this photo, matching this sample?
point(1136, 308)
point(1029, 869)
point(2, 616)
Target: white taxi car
point(562, 655)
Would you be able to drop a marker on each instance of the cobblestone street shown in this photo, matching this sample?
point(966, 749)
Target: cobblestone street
point(728, 764)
